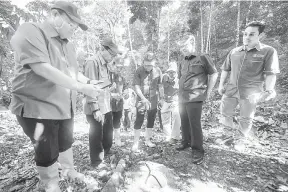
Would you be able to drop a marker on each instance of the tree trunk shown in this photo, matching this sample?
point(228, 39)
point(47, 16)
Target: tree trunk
point(158, 26)
point(238, 24)
point(130, 39)
point(201, 28)
point(168, 55)
point(209, 28)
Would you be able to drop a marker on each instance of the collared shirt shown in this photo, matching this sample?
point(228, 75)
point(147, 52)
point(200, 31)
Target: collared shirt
point(117, 104)
point(32, 95)
point(149, 84)
point(96, 68)
point(193, 78)
point(171, 87)
point(248, 68)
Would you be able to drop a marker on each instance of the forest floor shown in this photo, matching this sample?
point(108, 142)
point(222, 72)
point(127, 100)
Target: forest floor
point(260, 166)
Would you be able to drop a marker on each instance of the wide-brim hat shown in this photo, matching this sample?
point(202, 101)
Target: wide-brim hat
point(72, 11)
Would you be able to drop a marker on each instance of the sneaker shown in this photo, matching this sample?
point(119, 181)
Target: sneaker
point(197, 157)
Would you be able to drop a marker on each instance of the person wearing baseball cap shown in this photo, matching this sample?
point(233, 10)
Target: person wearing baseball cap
point(98, 111)
point(147, 82)
point(45, 87)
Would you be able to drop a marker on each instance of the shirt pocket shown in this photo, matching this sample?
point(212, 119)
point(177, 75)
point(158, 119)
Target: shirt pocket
point(195, 68)
point(255, 65)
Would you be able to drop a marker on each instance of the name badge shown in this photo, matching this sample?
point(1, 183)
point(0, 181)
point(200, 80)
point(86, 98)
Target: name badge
point(258, 55)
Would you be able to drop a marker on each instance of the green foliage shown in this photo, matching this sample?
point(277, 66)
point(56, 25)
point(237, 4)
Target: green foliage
point(153, 25)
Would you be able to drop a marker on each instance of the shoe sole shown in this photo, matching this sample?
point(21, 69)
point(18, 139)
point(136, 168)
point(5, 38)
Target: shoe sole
point(198, 162)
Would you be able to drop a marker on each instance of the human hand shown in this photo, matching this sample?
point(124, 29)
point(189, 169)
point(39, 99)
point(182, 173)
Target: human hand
point(98, 116)
point(146, 103)
point(89, 90)
point(160, 103)
point(113, 87)
point(269, 95)
point(116, 96)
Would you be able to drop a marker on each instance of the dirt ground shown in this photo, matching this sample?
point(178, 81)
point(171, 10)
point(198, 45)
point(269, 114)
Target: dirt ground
point(261, 165)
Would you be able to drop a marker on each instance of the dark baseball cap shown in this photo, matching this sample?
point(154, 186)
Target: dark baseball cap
point(111, 45)
point(71, 10)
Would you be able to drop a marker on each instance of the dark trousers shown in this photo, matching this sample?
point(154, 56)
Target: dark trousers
point(49, 137)
point(100, 136)
point(127, 118)
point(140, 114)
point(117, 119)
point(190, 114)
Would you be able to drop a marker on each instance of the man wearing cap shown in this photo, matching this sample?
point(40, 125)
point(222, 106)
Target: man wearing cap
point(98, 110)
point(147, 82)
point(44, 90)
point(170, 110)
point(197, 77)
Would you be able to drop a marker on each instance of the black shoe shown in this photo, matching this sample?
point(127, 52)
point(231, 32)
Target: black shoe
point(183, 147)
point(96, 163)
point(197, 157)
point(110, 152)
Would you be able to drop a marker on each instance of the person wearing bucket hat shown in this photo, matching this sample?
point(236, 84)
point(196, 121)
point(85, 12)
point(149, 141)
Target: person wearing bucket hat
point(44, 90)
point(98, 110)
point(170, 110)
point(147, 82)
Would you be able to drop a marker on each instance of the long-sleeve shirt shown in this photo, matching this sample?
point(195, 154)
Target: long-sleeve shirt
point(96, 69)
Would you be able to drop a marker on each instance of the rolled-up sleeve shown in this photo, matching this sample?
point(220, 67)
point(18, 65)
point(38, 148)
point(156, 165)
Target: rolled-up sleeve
point(91, 71)
point(271, 65)
point(29, 45)
point(209, 64)
point(227, 63)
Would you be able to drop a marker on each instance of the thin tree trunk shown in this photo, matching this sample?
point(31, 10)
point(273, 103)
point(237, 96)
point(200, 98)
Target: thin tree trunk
point(168, 55)
point(209, 28)
point(201, 28)
point(238, 24)
point(158, 26)
point(130, 39)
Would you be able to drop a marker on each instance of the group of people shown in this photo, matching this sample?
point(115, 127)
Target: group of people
point(47, 79)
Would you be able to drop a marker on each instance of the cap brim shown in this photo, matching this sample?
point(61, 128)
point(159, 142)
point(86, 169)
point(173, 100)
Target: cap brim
point(115, 50)
point(77, 20)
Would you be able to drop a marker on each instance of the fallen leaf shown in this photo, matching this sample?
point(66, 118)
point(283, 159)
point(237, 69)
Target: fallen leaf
point(260, 119)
